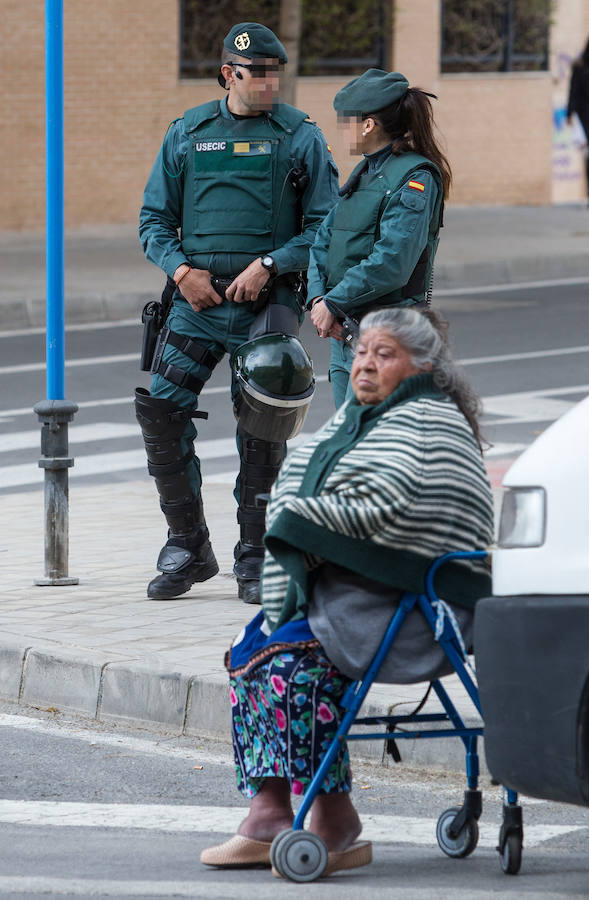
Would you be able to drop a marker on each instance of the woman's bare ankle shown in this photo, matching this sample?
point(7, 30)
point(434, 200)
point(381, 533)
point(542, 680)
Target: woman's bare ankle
point(335, 820)
point(270, 811)
point(263, 828)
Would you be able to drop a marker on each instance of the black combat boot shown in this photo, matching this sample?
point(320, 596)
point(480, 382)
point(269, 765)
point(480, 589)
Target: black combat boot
point(183, 562)
point(260, 464)
point(248, 569)
point(187, 557)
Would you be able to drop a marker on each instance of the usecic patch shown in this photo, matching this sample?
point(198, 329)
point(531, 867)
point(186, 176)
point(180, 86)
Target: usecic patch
point(417, 185)
point(209, 146)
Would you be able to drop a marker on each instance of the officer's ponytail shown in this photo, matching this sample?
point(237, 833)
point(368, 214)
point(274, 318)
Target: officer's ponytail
point(409, 123)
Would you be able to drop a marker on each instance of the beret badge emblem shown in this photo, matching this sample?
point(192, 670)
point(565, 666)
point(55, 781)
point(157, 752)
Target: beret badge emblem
point(242, 41)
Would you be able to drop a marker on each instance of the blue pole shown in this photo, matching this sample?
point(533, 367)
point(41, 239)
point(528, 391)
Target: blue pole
point(55, 317)
point(55, 412)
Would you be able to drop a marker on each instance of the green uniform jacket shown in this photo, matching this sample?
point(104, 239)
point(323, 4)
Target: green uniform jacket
point(189, 141)
point(377, 245)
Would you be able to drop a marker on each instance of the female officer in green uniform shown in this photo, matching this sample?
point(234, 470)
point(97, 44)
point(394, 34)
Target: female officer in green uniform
point(377, 245)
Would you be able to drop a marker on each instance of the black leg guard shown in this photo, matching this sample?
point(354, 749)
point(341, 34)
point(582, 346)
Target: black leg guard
point(260, 464)
point(187, 556)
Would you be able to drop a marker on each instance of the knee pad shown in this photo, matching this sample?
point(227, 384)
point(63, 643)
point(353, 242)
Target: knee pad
point(163, 423)
point(260, 465)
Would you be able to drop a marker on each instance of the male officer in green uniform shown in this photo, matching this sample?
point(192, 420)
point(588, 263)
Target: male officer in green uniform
point(247, 181)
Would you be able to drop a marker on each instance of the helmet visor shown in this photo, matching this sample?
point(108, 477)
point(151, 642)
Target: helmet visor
point(271, 421)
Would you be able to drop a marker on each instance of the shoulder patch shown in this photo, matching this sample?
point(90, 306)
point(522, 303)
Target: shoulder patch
point(417, 185)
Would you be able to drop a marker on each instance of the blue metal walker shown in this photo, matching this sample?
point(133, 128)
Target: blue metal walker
point(301, 856)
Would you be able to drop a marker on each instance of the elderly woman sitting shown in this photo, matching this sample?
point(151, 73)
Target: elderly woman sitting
point(357, 515)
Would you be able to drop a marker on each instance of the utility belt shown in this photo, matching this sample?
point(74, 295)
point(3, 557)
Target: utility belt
point(221, 285)
point(295, 281)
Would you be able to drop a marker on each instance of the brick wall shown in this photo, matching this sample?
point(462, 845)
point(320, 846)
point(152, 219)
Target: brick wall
point(22, 114)
point(496, 127)
point(122, 89)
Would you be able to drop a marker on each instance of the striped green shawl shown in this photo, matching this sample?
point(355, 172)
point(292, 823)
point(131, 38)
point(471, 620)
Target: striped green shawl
point(381, 490)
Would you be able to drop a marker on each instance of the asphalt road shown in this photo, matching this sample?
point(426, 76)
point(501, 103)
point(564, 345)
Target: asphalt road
point(522, 347)
point(97, 810)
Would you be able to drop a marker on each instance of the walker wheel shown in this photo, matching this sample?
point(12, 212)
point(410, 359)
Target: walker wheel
point(466, 839)
point(299, 855)
point(274, 845)
point(511, 854)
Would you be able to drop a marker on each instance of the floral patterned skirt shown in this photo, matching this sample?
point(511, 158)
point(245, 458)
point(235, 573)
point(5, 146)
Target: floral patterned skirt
point(284, 714)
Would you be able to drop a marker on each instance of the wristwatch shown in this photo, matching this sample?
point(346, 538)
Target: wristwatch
point(269, 264)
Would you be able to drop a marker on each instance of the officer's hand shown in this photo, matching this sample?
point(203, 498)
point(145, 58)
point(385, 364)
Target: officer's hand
point(322, 319)
point(196, 287)
point(335, 331)
point(248, 283)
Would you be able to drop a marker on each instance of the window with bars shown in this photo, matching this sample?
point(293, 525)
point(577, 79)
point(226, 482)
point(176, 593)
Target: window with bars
point(495, 35)
point(339, 37)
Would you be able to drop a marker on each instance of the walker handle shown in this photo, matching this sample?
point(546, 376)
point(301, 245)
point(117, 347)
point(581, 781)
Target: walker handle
point(441, 560)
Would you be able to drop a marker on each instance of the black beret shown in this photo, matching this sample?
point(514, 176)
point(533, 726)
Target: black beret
point(255, 41)
point(370, 92)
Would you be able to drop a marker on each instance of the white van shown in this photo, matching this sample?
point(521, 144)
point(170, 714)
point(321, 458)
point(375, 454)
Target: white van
point(532, 636)
point(543, 544)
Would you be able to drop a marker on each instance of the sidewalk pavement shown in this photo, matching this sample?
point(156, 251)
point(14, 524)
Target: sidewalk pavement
point(100, 647)
point(107, 276)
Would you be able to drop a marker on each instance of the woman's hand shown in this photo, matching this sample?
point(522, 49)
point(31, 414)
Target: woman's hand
point(322, 319)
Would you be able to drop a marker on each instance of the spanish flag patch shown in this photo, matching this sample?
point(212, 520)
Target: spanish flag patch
point(417, 185)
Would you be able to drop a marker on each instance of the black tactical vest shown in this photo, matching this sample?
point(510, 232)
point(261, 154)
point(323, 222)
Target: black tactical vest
point(356, 225)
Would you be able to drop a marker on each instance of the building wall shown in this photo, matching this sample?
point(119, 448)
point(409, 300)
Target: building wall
point(122, 90)
point(22, 114)
point(498, 130)
point(496, 127)
point(568, 38)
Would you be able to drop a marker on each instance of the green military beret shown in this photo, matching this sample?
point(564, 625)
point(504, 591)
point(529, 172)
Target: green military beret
point(255, 41)
point(370, 92)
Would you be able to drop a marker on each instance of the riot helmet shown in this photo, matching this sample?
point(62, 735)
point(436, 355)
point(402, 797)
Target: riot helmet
point(274, 375)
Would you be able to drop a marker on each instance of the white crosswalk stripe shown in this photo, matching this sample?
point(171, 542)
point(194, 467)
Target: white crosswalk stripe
point(531, 406)
point(104, 463)
point(77, 434)
point(225, 820)
point(544, 405)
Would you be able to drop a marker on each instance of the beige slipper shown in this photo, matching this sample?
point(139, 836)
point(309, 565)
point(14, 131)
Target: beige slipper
point(359, 854)
point(238, 852)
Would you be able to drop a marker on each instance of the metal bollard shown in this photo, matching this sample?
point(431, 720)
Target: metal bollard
point(55, 415)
